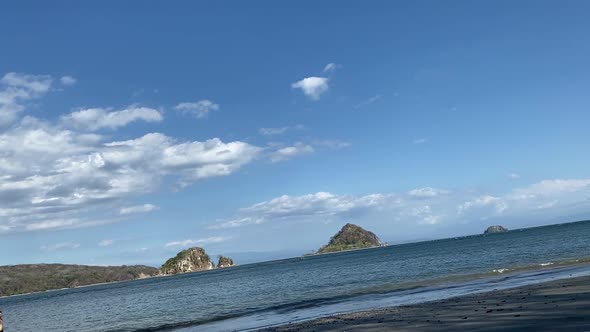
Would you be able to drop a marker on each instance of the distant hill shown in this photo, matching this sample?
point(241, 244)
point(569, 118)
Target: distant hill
point(351, 237)
point(27, 278)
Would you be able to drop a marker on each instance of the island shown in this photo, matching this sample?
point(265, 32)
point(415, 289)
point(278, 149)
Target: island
point(192, 260)
point(350, 237)
point(495, 229)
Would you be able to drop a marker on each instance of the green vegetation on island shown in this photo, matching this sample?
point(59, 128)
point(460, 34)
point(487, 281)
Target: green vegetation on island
point(191, 260)
point(351, 237)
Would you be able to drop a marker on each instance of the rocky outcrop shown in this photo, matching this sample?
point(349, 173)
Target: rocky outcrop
point(351, 237)
point(189, 260)
point(495, 229)
point(224, 262)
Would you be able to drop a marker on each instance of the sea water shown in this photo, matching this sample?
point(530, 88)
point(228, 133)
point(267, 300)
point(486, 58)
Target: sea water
point(269, 293)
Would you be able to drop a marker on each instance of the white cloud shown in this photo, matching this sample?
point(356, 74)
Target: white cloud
point(272, 131)
point(51, 224)
point(427, 207)
point(60, 246)
point(67, 80)
point(106, 243)
point(424, 215)
point(514, 176)
point(331, 67)
point(552, 187)
point(191, 242)
point(239, 222)
point(482, 201)
point(279, 130)
point(566, 195)
point(199, 109)
point(137, 209)
point(289, 152)
point(420, 140)
point(427, 192)
point(52, 178)
point(368, 101)
point(30, 83)
point(16, 90)
point(312, 87)
point(99, 118)
point(333, 144)
point(301, 207)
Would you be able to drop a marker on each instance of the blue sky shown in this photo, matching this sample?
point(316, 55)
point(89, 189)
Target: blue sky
point(259, 129)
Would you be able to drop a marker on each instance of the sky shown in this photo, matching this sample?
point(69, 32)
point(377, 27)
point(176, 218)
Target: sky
point(257, 129)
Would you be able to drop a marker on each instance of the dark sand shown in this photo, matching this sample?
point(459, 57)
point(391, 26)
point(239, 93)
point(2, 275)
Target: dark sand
point(562, 305)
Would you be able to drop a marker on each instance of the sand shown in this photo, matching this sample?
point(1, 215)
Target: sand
point(562, 305)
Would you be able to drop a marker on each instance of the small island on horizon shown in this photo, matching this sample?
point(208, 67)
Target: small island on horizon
point(495, 229)
point(351, 237)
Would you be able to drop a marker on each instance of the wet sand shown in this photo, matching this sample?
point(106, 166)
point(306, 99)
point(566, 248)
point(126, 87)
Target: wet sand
point(562, 305)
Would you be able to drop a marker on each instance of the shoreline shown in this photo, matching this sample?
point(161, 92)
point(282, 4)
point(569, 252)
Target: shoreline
point(562, 304)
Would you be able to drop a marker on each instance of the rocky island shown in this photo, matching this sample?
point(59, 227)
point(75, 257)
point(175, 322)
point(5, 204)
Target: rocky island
point(191, 260)
point(351, 237)
point(495, 229)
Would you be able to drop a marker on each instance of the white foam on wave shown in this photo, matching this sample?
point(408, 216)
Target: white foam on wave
point(500, 270)
point(546, 264)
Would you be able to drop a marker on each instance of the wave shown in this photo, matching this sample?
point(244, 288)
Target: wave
point(500, 270)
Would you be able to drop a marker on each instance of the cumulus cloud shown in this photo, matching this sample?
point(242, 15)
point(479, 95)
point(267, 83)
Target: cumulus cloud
point(557, 196)
point(312, 87)
point(428, 207)
point(199, 109)
point(137, 209)
point(483, 201)
point(321, 204)
point(289, 152)
point(30, 83)
point(67, 80)
point(191, 242)
point(60, 246)
point(16, 90)
point(98, 118)
point(52, 178)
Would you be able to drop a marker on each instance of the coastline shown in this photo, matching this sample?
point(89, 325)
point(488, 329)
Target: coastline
point(562, 304)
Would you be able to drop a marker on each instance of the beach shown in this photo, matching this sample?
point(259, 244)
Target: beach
point(562, 305)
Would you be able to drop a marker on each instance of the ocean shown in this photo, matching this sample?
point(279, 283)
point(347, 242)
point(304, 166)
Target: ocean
point(258, 295)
